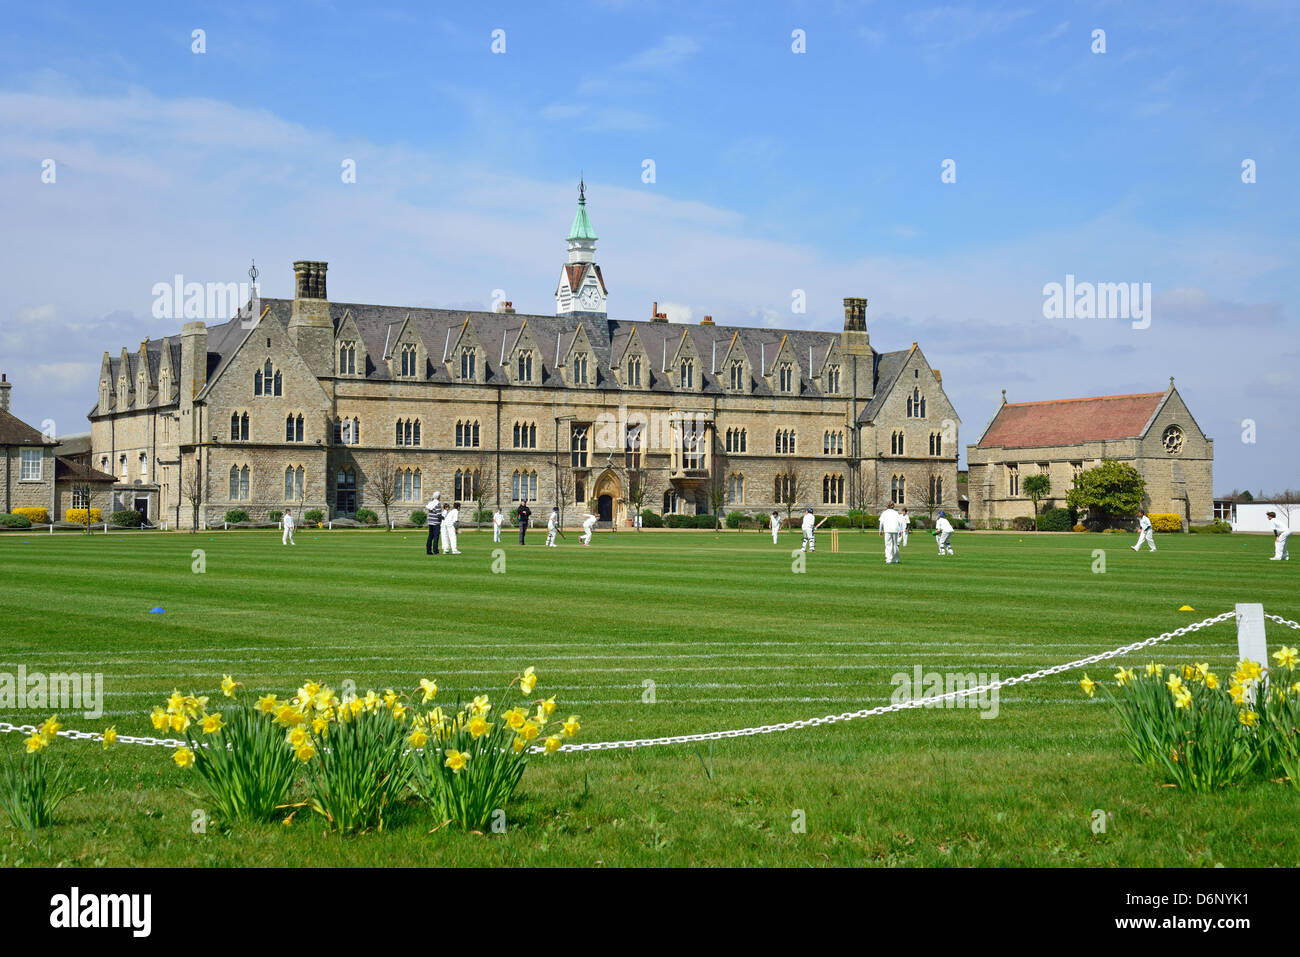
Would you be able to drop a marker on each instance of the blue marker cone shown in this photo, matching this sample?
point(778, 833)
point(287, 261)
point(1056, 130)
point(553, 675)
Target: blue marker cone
point(156, 610)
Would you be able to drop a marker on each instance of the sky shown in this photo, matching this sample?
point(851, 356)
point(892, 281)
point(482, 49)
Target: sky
point(946, 162)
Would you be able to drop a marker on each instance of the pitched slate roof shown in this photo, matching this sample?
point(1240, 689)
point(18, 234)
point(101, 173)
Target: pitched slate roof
point(66, 470)
point(1070, 421)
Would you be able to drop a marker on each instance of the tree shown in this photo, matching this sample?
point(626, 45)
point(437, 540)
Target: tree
point(636, 488)
point(1110, 490)
point(86, 492)
point(717, 489)
point(381, 482)
point(563, 489)
point(194, 490)
point(1244, 496)
point(485, 470)
point(1286, 502)
point(790, 487)
point(1037, 487)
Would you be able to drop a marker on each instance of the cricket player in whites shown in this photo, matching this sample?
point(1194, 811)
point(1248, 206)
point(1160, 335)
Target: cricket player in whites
point(449, 526)
point(552, 522)
point(1281, 532)
point(286, 523)
point(775, 522)
point(809, 531)
point(891, 524)
point(905, 521)
point(498, 518)
point(1145, 534)
point(588, 526)
point(943, 534)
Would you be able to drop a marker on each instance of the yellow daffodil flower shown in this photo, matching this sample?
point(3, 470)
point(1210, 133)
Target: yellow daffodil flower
point(1154, 670)
point(571, 726)
point(1182, 699)
point(212, 723)
point(529, 730)
point(1286, 657)
point(110, 737)
point(1250, 669)
point(297, 737)
point(528, 680)
point(1248, 718)
point(553, 744)
point(430, 689)
point(456, 761)
point(228, 686)
point(418, 739)
point(305, 753)
point(36, 743)
point(549, 705)
point(1238, 693)
point(184, 758)
point(320, 725)
point(159, 719)
point(515, 718)
point(519, 744)
point(1211, 680)
point(478, 726)
point(480, 705)
point(1123, 676)
point(267, 704)
point(1174, 684)
point(1088, 685)
point(180, 722)
point(175, 703)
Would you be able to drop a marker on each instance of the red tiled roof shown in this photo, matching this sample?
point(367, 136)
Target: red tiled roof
point(1068, 421)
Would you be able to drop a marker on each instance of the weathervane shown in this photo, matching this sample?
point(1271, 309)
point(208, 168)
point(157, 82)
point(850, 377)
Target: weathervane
point(253, 273)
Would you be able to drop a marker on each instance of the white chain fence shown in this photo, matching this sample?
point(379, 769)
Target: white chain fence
point(7, 728)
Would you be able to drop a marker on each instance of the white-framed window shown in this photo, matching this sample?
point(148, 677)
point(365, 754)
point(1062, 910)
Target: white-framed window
point(578, 446)
point(672, 502)
point(293, 482)
point(30, 467)
point(634, 371)
point(736, 489)
point(239, 476)
point(833, 443)
point(898, 489)
point(406, 484)
point(80, 496)
point(523, 485)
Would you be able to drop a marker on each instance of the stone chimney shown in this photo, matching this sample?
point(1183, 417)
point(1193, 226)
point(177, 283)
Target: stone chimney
point(854, 340)
point(656, 315)
point(5, 386)
point(310, 326)
point(193, 373)
point(506, 308)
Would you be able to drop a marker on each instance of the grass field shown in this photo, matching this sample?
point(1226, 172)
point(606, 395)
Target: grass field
point(729, 635)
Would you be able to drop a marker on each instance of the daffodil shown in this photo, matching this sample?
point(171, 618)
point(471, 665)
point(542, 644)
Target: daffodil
point(1154, 670)
point(228, 686)
point(180, 722)
point(1248, 718)
point(50, 728)
point(305, 753)
point(212, 723)
point(418, 739)
point(1088, 685)
point(1182, 699)
point(514, 718)
point(1238, 693)
point(528, 680)
point(390, 697)
point(480, 705)
point(571, 726)
point(1123, 676)
point(549, 705)
point(1211, 680)
point(1286, 657)
point(159, 719)
point(297, 737)
point(110, 737)
point(289, 716)
point(36, 743)
point(456, 761)
point(1174, 684)
point(184, 758)
point(267, 704)
point(175, 703)
point(320, 725)
point(479, 726)
point(553, 744)
point(430, 689)
point(530, 730)
point(1250, 669)
point(519, 743)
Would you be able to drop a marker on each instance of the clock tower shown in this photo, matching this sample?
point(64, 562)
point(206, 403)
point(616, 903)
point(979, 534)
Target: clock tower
point(581, 290)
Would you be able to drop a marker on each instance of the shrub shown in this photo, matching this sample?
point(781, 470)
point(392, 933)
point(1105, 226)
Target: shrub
point(482, 515)
point(1023, 523)
point(1079, 528)
point(37, 516)
point(234, 516)
point(651, 519)
point(14, 521)
point(418, 517)
point(1165, 521)
point(30, 789)
point(1054, 520)
point(78, 516)
point(313, 515)
point(366, 516)
point(707, 521)
point(478, 761)
point(130, 518)
point(960, 523)
point(247, 766)
point(735, 519)
point(1214, 528)
point(679, 521)
point(275, 515)
point(837, 521)
point(921, 523)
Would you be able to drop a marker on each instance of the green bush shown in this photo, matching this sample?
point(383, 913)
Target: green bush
point(366, 516)
point(275, 515)
point(921, 523)
point(706, 521)
point(313, 515)
point(481, 515)
point(1214, 528)
point(735, 519)
point(418, 517)
point(959, 523)
point(679, 521)
point(130, 518)
point(1054, 520)
point(14, 521)
point(870, 521)
point(651, 519)
point(1023, 523)
point(837, 521)
point(234, 516)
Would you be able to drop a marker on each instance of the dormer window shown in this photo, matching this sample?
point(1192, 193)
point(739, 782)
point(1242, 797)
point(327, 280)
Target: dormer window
point(348, 358)
point(832, 379)
point(737, 379)
point(408, 365)
point(916, 404)
point(467, 363)
point(580, 370)
point(687, 374)
point(634, 371)
point(525, 367)
point(785, 377)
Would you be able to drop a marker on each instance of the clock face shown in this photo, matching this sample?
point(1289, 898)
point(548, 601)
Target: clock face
point(589, 297)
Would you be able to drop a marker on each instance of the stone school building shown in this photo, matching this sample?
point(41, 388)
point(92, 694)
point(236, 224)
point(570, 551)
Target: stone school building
point(313, 404)
point(1153, 431)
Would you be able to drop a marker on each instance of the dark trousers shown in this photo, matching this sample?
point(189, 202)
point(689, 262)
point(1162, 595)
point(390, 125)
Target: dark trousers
point(431, 543)
point(523, 527)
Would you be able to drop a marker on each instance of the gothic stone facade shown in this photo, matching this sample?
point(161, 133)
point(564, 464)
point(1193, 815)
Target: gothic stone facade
point(1154, 432)
point(314, 404)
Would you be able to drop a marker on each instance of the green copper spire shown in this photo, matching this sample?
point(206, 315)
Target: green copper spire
point(581, 228)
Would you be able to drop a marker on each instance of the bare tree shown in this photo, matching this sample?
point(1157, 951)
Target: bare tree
point(636, 489)
point(194, 491)
point(789, 487)
point(485, 478)
point(1287, 503)
point(717, 489)
point(86, 492)
point(381, 482)
point(563, 489)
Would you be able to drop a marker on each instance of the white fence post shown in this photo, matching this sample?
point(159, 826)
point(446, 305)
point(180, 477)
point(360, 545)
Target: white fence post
point(1252, 645)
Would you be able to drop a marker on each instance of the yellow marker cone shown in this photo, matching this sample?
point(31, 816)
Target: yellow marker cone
point(1187, 608)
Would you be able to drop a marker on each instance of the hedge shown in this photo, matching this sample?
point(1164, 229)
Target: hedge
point(735, 519)
point(313, 515)
point(34, 514)
point(1165, 521)
point(78, 516)
point(706, 521)
point(14, 521)
point(1054, 520)
point(1023, 523)
point(1214, 528)
point(481, 515)
point(366, 516)
point(419, 517)
point(651, 519)
point(128, 518)
point(234, 516)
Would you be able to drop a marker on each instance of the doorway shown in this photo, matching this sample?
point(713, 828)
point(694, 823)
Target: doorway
point(142, 506)
point(605, 508)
